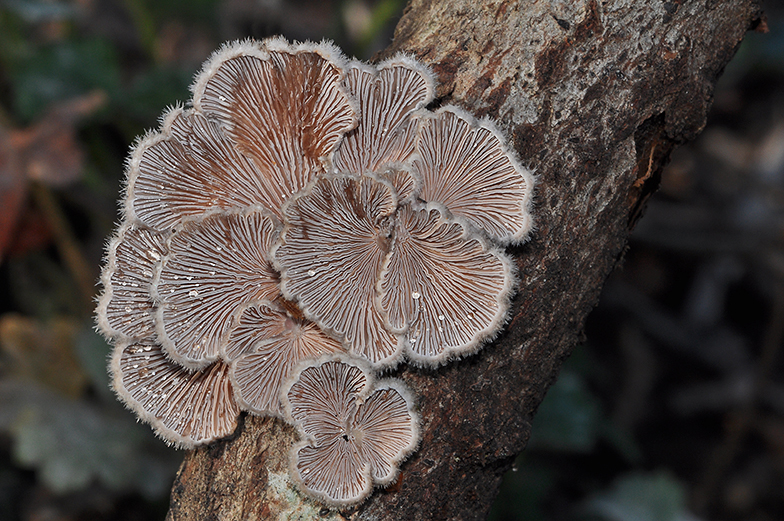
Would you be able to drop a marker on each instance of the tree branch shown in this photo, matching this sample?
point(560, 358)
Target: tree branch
point(595, 95)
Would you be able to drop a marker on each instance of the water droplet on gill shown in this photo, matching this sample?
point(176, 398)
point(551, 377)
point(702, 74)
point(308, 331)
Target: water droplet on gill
point(143, 371)
point(212, 273)
point(128, 309)
point(415, 295)
point(311, 273)
point(441, 317)
point(135, 366)
point(176, 277)
point(193, 293)
point(148, 348)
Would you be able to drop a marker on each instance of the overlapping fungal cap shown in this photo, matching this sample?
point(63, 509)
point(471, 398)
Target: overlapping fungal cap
point(267, 342)
point(184, 408)
point(388, 278)
point(337, 237)
point(125, 308)
point(214, 266)
point(466, 166)
point(356, 431)
point(388, 95)
point(307, 206)
point(203, 201)
point(442, 285)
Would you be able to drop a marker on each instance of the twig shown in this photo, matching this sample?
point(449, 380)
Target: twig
point(66, 243)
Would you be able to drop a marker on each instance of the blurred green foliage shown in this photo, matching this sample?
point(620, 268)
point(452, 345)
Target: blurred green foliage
point(56, 72)
point(570, 424)
point(637, 496)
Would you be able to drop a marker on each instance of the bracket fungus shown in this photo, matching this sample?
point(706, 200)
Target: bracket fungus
point(183, 407)
point(303, 224)
point(272, 343)
point(355, 430)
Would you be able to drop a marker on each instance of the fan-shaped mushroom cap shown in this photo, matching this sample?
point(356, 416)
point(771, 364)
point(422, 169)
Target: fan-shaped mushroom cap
point(387, 95)
point(282, 105)
point(466, 166)
point(356, 431)
point(125, 307)
point(335, 239)
point(189, 169)
point(444, 285)
point(184, 408)
point(403, 180)
point(271, 343)
point(214, 266)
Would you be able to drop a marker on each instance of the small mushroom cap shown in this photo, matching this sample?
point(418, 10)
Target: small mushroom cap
point(387, 97)
point(356, 431)
point(125, 306)
point(444, 285)
point(466, 166)
point(271, 343)
point(190, 169)
point(403, 180)
point(185, 409)
point(335, 240)
point(214, 265)
point(282, 105)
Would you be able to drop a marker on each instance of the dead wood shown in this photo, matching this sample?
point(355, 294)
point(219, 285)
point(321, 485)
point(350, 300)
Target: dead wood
point(594, 95)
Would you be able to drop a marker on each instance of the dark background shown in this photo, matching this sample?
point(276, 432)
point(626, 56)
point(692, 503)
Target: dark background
point(672, 408)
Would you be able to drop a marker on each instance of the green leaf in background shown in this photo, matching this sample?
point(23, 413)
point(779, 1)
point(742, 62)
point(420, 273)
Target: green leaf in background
point(93, 354)
point(54, 73)
point(74, 443)
point(154, 89)
point(641, 497)
point(523, 492)
point(569, 419)
point(40, 11)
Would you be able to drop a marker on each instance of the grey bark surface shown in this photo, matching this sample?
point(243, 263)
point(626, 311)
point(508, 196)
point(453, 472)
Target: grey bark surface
point(594, 96)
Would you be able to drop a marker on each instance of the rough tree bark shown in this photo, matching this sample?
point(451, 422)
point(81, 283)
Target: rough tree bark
point(595, 95)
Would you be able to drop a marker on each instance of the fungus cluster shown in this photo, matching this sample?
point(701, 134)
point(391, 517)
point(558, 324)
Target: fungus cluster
point(306, 223)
